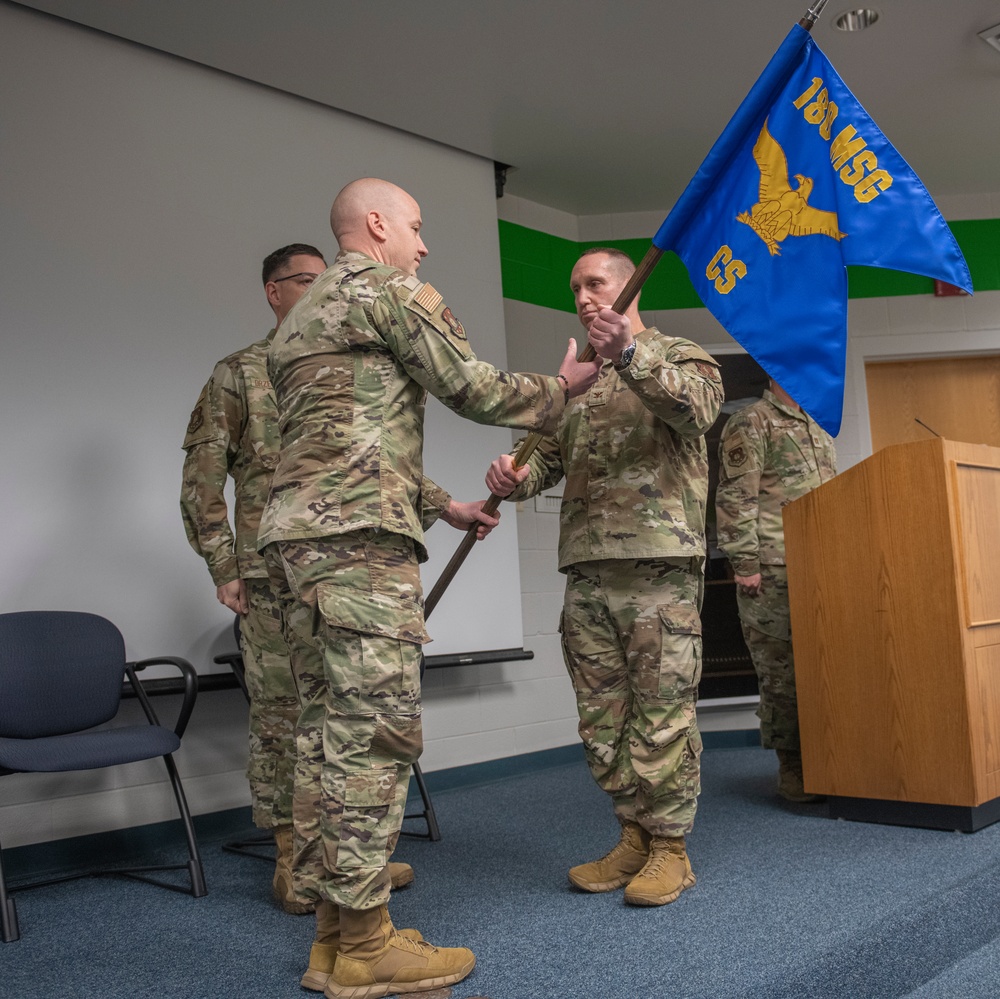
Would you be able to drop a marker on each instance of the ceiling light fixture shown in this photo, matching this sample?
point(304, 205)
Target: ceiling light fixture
point(991, 36)
point(856, 20)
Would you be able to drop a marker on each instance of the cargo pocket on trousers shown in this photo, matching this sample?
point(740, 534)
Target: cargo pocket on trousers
point(680, 651)
point(384, 667)
point(368, 797)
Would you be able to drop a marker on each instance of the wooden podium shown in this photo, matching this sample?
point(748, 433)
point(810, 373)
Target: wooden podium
point(894, 583)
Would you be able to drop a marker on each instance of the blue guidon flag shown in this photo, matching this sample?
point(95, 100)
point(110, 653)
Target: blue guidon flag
point(801, 183)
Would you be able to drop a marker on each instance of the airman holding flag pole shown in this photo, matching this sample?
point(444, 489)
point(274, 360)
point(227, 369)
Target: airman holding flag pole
point(632, 545)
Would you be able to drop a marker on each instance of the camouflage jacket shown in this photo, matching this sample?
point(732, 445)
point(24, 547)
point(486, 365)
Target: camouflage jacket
point(351, 365)
point(233, 431)
point(633, 454)
point(769, 455)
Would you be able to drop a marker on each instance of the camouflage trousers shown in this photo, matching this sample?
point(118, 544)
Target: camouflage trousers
point(767, 631)
point(631, 636)
point(274, 707)
point(353, 614)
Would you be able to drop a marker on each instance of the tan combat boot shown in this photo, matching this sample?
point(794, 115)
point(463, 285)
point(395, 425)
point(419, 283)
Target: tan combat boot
point(323, 952)
point(281, 886)
point(790, 783)
point(376, 961)
point(617, 867)
point(400, 874)
point(324, 949)
point(666, 874)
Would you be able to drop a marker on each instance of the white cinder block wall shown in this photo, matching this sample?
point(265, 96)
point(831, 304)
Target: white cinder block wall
point(914, 326)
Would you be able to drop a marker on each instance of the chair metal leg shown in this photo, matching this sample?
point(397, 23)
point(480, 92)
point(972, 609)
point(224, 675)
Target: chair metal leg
point(428, 814)
point(249, 847)
point(9, 929)
point(195, 869)
point(193, 865)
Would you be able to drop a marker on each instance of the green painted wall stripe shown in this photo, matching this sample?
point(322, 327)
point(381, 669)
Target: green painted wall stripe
point(535, 268)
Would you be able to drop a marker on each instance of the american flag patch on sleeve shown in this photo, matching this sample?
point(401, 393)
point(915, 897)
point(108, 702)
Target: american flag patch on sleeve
point(427, 298)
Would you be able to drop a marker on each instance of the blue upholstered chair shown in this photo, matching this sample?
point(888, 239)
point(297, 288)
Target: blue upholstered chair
point(62, 674)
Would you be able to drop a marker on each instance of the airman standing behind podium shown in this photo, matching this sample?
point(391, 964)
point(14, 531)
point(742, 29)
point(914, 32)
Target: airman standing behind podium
point(771, 452)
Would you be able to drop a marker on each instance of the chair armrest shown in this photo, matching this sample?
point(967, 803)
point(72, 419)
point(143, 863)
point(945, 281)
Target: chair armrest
point(190, 688)
point(234, 660)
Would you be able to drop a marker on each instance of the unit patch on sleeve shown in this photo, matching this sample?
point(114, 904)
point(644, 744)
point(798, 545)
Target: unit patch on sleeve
point(737, 455)
point(453, 324)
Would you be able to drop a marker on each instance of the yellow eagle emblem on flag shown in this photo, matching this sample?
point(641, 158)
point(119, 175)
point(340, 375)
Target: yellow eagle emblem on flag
point(783, 211)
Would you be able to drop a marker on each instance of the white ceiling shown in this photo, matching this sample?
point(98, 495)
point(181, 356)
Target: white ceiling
point(598, 105)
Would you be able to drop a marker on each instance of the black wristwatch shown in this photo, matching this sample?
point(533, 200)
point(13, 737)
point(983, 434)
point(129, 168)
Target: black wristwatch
point(625, 358)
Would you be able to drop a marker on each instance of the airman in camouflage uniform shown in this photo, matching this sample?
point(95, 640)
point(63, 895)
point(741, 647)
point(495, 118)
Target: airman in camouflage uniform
point(343, 536)
point(770, 453)
point(632, 545)
point(234, 431)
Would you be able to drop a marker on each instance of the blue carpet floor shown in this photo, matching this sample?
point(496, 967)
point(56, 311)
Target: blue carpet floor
point(788, 905)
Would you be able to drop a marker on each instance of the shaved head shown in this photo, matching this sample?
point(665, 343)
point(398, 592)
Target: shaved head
point(352, 205)
point(381, 220)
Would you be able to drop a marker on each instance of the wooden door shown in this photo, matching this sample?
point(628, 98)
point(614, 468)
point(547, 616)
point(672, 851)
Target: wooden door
point(957, 397)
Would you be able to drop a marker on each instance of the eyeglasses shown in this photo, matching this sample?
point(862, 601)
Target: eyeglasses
point(304, 277)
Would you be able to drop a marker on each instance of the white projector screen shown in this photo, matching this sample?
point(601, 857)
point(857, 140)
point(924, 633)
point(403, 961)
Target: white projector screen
point(140, 193)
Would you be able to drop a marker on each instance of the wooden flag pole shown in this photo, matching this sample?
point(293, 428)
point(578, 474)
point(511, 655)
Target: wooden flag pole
point(624, 300)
